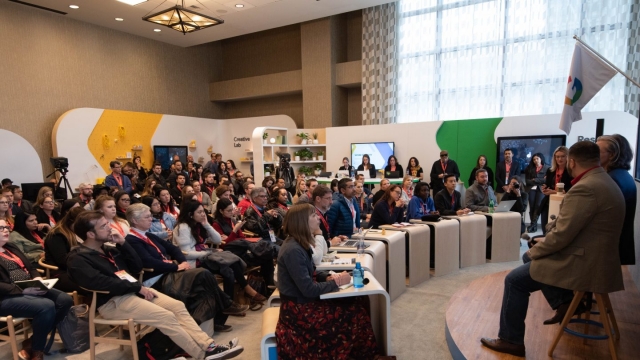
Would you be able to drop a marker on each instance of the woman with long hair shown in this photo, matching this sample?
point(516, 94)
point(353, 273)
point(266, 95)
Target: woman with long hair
point(413, 168)
point(301, 188)
point(69, 204)
point(407, 189)
point(230, 231)
point(137, 164)
point(335, 193)
point(44, 192)
point(107, 206)
point(222, 171)
point(45, 308)
point(123, 200)
point(393, 165)
point(28, 236)
point(534, 178)
point(367, 165)
point(224, 192)
point(57, 245)
point(389, 209)
point(46, 213)
point(148, 187)
point(5, 214)
point(346, 166)
point(194, 236)
point(162, 224)
point(481, 163)
point(197, 173)
point(268, 182)
point(166, 201)
point(557, 173)
point(231, 167)
point(303, 315)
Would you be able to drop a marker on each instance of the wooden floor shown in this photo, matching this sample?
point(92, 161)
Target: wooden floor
point(474, 312)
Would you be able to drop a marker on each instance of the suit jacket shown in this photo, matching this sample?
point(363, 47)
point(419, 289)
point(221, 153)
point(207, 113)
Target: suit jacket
point(443, 202)
point(501, 174)
point(110, 181)
point(628, 187)
point(581, 252)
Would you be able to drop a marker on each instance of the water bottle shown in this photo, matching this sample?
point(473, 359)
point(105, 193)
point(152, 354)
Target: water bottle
point(358, 276)
point(360, 246)
point(352, 173)
point(492, 207)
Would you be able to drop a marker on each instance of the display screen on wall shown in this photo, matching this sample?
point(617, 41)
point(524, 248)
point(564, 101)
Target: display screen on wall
point(524, 147)
point(378, 152)
point(164, 155)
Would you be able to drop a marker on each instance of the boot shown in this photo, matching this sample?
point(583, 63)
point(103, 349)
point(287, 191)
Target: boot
point(533, 227)
point(37, 355)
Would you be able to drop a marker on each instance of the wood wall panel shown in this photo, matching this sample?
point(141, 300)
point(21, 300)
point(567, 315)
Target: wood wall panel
point(317, 75)
point(355, 106)
point(257, 86)
point(349, 74)
point(354, 35)
point(290, 105)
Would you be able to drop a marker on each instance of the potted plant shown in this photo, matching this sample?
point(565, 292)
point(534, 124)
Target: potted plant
point(303, 138)
point(296, 155)
point(264, 137)
point(317, 169)
point(320, 155)
point(305, 170)
point(306, 154)
point(315, 137)
point(267, 169)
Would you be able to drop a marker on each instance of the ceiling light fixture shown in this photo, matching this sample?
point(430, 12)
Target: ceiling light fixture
point(183, 20)
point(119, 19)
point(239, 5)
point(132, 2)
point(74, 6)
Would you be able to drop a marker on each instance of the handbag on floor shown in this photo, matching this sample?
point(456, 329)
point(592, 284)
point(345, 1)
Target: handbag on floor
point(74, 329)
point(158, 346)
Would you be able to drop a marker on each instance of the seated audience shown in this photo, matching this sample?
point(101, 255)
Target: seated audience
point(86, 194)
point(123, 200)
point(414, 169)
point(481, 164)
point(202, 197)
point(479, 195)
point(367, 166)
point(57, 245)
point(177, 170)
point(389, 210)
point(283, 185)
point(45, 308)
point(194, 236)
point(142, 172)
point(176, 190)
point(98, 190)
point(19, 204)
point(188, 194)
point(156, 174)
point(222, 171)
point(224, 192)
point(197, 288)
point(245, 203)
point(407, 189)
point(303, 315)
point(96, 266)
point(362, 200)
point(322, 200)
point(384, 185)
point(268, 182)
point(367, 188)
point(209, 186)
point(278, 201)
point(148, 187)
point(44, 192)
point(232, 195)
point(231, 168)
point(335, 193)
point(238, 181)
point(344, 214)
point(448, 200)
point(515, 192)
point(5, 212)
point(162, 224)
point(47, 214)
point(28, 236)
point(68, 205)
point(116, 178)
point(260, 221)
point(346, 166)
point(301, 188)
point(421, 203)
point(106, 205)
point(393, 165)
point(166, 201)
point(306, 196)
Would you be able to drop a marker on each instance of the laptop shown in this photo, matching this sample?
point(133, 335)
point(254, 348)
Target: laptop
point(352, 243)
point(392, 174)
point(365, 173)
point(342, 173)
point(505, 206)
point(325, 175)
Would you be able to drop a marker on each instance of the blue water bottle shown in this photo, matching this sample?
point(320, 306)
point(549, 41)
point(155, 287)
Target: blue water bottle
point(358, 276)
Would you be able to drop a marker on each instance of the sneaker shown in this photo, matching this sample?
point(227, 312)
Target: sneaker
point(235, 309)
point(222, 328)
point(223, 352)
point(234, 342)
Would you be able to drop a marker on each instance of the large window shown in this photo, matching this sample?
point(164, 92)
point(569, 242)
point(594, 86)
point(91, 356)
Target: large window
point(494, 58)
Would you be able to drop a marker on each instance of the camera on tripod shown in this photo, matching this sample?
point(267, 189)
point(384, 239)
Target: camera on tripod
point(60, 163)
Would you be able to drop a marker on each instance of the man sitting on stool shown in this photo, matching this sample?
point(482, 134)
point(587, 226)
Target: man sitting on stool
point(580, 253)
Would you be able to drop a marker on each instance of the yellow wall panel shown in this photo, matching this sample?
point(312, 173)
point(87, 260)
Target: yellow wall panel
point(123, 131)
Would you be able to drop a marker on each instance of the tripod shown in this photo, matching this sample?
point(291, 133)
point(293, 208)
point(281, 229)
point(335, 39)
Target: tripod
point(63, 179)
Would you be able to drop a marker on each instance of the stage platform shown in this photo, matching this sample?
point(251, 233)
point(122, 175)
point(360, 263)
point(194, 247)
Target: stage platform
point(474, 312)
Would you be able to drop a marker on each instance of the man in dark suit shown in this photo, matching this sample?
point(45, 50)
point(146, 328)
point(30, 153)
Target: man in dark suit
point(447, 201)
point(505, 170)
point(440, 168)
point(579, 253)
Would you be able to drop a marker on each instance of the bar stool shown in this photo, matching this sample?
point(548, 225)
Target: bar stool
point(607, 318)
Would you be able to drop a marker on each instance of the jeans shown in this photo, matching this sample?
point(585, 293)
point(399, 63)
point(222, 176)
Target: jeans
point(518, 285)
point(46, 311)
point(555, 296)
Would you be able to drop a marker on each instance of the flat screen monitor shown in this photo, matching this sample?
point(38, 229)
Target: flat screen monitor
point(164, 155)
point(378, 152)
point(524, 147)
point(30, 190)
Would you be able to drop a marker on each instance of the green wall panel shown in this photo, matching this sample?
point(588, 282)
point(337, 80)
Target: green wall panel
point(465, 140)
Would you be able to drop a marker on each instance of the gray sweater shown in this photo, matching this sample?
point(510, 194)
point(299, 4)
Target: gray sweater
point(295, 274)
point(477, 199)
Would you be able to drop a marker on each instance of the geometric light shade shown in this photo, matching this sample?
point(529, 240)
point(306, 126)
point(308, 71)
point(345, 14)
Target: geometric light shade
point(183, 20)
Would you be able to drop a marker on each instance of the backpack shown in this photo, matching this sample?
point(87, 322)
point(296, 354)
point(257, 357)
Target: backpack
point(74, 329)
point(158, 346)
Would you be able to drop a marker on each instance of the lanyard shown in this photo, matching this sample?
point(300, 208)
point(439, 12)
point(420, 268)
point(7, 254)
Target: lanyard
point(115, 225)
point(508, 169)
point(38, 238)
point(324, 221)
point(444, 166)
point(283, 207)
point(200, 197)
point(52, 221)
point(167, 209)
point(351, 207)
point(256, 210)
point(559, 173)
point(111, 260)
point(15, 259)
point(148, 241)
point(118, 179)
point(164, 226)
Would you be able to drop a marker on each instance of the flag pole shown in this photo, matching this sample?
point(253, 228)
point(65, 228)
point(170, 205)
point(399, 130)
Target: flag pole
point(607, 61)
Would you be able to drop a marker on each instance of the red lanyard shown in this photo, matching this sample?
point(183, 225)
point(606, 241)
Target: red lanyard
point(118, 179)
point(444, 167)
point(164, 226)
point(559, 173)
point(111, 260)
point(538, 168)
point(408, 192)
point(38, 238)
point(147, 241)
point(115, 225)
point(199, 197)
point(167, 209)
point(324, 221)
point(283, 207)
point(351, 207)
point(256, 210)
point(52, 220)
point(15, 259)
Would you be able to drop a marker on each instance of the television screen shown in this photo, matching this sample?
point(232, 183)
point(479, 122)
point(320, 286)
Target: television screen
point(378, 152)
point(164, 154)
point(524, 147)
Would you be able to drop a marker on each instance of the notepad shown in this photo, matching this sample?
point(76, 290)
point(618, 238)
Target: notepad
point(40, 284)
point(347, 261)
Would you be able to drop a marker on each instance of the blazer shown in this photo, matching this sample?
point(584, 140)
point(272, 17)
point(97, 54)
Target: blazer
point(382, 216)
point(443, 202)
point(501, 174)
point(477, 199)
point(581, 251)
point(628, 187)
point(437, 183)
point(372, 170)
point(110, 180)
point(340, 218)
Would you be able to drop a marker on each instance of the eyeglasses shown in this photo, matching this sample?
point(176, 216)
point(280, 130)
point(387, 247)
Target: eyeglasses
point(125, 200)
point(398, 192)
point(262, 196)
point(48, 202)
point(3, 228)
point(4, 202)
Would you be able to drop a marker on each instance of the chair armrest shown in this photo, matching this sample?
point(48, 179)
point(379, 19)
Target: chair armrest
point(147, 269)
point(94, 291)
point(248, 233)
point(45, 265)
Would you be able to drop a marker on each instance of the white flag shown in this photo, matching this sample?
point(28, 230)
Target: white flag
point(587, 76)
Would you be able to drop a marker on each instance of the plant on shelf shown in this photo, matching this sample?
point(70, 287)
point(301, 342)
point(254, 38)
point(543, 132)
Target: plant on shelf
point(305, 170)
point(306, 154)
point(318, 166)
point(268, 169)
point(304, 137)
point(315, 138)
point(264, 137)
point(320, 155)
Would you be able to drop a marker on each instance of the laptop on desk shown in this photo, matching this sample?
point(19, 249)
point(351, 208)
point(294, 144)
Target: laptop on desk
point(505, 206)
point(392, 174)
point(354, 242)
point(365, 173)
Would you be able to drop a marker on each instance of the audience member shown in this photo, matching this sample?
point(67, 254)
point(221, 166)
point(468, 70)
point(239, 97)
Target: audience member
point(344, 214)
point(303, 315)
point(5, 212)
point(322, 200)
point(615, 157)
point(209, 186)
point(28, 236)
point(593, 209)
point(96, 266)
point(367, 166)
point(440, 168)
point(557, 173)
point(197, 174)
point(173, 177)
point(306, 196)
point(448, 200)
point(421, 203)
point(212, 165)
point(245, 203)
point(45, 308)
point(384, 185)
point(365, 187)
point(534, 175)
point(260, 221)
point(106, 205)
point(224, 192)
point(282, 184)
point(149, 184)
point(44, 192)
point(162, 224)
point(123, 200)
point(222, 172)
point(515, 192)
point(389, 210)
point(393, 165)
point(505, 170)
point(414, 169)
point(176, 190)
point(278, 201)
point(301, 188)
point(363, 202)
point(57, 245)
point(116, 178)
point(335, 193)
point(480, 194)
point(231, 168)
point(166, 201)
point(67, 205)
point(6, 183)
point(86, 193)
point(142, 172)
point(268, 182)
point(47, 214)
point(157, 175)
point(481, 163)
point(202, 197)
point(407, 189)
point(19, 204)
point(98, 190)
point(285, 171)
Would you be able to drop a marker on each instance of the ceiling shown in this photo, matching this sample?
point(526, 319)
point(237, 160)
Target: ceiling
point(256, 15)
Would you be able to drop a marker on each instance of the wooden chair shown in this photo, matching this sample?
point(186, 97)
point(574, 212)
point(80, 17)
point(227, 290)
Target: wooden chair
point(10, 327)
point(47, 275)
